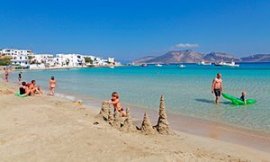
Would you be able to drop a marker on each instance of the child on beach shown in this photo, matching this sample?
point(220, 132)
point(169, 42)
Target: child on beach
point(52, 85)
point(20, 77)
point(243, 96)
point(115, 101)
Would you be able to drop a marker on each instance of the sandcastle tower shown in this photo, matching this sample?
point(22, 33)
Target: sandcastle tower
point(110, 117)
point(117, 120)
point(147, 127)
point(163, 124)
point(128, 125)
point(104, 111)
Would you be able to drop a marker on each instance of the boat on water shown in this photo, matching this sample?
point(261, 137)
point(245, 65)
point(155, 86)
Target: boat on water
point(230, 64)
point(158, 65)
point(204, 63)
point(143, 65)
point(182, 66)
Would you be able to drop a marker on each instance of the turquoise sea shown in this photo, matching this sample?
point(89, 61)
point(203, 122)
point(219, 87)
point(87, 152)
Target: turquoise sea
point(187, 90)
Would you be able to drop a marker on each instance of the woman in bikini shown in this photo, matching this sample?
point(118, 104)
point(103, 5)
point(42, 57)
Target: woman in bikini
point(52, 85)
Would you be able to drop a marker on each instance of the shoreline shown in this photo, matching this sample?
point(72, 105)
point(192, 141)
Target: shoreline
point(55, 129)
point(205, 128)
point(197, 126)
point(192, 125)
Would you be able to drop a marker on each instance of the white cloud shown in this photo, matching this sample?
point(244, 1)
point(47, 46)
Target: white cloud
point(186, 45)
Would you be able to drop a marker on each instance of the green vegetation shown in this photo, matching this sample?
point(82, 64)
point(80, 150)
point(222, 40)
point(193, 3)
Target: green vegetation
point(5, 60)
point(88, 60)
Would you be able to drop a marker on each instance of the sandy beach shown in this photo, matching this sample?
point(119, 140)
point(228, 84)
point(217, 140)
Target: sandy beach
point(43, 128)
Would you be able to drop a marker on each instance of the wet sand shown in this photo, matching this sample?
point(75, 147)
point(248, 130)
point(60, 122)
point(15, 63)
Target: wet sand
point(215, 130)
point(205, 128)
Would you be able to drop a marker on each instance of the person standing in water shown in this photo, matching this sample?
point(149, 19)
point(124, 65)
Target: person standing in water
point(6, 74)
point(217, 87)
point(20, 77)
point(52, 85)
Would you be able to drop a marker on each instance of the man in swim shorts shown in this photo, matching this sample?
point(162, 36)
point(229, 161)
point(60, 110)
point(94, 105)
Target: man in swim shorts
point(217, 87)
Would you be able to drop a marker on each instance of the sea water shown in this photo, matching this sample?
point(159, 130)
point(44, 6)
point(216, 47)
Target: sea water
point(187, 90)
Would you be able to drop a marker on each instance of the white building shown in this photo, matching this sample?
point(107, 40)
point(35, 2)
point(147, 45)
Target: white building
point(70, 60)
point(15, 52)
point(21, 60)
point(18, 57)
point(43, 59)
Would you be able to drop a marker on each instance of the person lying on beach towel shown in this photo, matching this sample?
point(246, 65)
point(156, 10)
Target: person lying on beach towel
point(115, 101)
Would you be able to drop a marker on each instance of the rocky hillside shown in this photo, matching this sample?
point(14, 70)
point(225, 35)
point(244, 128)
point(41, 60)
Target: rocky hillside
point(189, 56)
point(173, 57)
point(220, 56)
point(257, 58)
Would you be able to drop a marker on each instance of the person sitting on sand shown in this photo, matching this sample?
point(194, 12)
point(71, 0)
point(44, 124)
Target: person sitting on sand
point(217, 87)
point(243, 97)
point(34, 89)
point(52, 85)
point(24, 90)
point(115, 101)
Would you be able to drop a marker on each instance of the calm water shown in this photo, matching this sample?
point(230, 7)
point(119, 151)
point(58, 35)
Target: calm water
point(187, 90)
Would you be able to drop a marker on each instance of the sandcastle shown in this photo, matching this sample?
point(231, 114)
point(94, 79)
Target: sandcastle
point(104, 111)
point(126, 124)
point(110, 117)
point(147, 127)
point(163, 125)
point(117, 120)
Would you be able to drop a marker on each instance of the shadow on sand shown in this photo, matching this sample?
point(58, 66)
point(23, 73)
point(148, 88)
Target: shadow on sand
point(211, 101)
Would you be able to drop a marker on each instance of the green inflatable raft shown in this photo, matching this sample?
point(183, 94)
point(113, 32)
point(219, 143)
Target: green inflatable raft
point(238, 101)
point(19, 95)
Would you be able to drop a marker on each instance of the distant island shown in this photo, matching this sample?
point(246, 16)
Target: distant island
point(189, 56)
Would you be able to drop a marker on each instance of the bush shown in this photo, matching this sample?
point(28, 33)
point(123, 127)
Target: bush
point(88, 60)
point(5, 60)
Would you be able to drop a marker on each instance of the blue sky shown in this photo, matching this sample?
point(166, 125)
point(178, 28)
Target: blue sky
point(128, 29)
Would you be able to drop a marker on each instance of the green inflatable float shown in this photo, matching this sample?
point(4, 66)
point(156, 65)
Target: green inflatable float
point(238, 101)
point(19, 95)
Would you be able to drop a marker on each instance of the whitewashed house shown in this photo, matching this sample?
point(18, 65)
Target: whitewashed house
point(47, 59)
point(111, 60)
point(70, 60)
point(18, 57)
point(15, 52)
point(41, 61)
point(21, 60)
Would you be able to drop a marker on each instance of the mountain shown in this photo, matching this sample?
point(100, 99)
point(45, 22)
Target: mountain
point(257, 58)
point(144, 59)
point(219, 56)
point(187, 56)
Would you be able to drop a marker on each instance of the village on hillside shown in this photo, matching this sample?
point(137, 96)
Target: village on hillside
point(26, 59)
